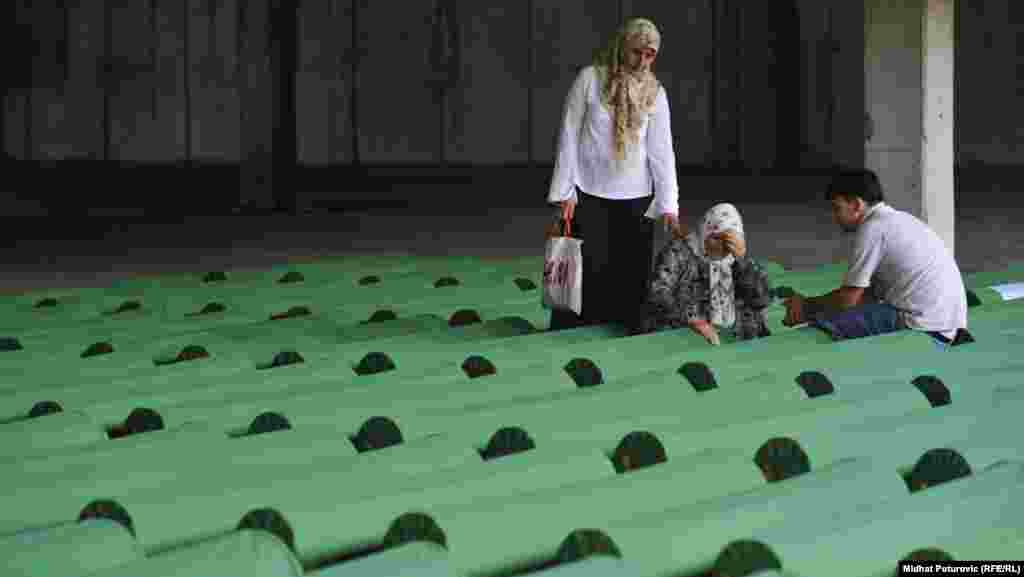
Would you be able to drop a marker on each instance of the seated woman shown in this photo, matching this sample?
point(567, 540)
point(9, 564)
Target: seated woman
point(706, 280)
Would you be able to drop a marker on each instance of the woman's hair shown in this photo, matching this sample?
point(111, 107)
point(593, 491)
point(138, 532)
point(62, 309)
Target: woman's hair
point(855, 183)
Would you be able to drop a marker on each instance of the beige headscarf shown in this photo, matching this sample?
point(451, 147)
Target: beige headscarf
point(629, 95)
point(719, 218)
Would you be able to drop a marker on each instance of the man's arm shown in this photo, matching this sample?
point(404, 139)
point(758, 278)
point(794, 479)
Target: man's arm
point(838, 300)
point(866, 254)
point(800, 309)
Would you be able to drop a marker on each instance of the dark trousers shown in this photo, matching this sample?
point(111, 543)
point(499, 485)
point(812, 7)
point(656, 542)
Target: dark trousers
point(618, 241)
point(872, 319)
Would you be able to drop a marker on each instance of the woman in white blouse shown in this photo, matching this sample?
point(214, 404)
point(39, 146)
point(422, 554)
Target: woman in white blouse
point(615, 145)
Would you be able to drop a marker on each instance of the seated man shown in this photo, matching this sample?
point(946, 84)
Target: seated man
point(901, 275)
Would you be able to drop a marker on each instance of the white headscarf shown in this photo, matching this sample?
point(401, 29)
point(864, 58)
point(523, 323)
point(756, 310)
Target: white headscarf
point(629, 95)
point(719, 218)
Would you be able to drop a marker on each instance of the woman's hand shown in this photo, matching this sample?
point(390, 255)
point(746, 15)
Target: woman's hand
point(568, 209)
point(672, 224)
point(706, 330)
point(734, 244)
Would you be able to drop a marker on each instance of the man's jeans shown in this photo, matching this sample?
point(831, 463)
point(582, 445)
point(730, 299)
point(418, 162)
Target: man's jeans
point(872, 319)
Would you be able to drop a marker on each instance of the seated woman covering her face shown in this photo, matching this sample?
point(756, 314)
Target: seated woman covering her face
point(706, 280)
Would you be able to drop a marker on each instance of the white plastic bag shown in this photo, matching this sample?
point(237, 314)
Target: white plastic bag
point(563, 273)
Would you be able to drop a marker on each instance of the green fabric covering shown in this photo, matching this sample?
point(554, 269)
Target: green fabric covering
point(68, 549)
point(113, 380)
point(299, 492)
point(142, 481)
point(50, 490)
point(203, 431)
point(594, 567)
point(610, 414)
point(670, 402)
point(901, 440)
point(169, 318)
point(242, 278)
point(231, 369)
point(118, 409)
point(49, 432)
point(998, 542)
point(143, 350)
point(319, 272)
point(838, 544)
point(529, 528)
point(246, 552)
point(912, 348)
point(369, 507)
point(311, 403)
point(773, 269)
point(986, 295)
point(194, 481)
point(175, 303)
point(197, 445)
point(895, 437)
point(961, 368)
point(686, 540)
point(420, 558)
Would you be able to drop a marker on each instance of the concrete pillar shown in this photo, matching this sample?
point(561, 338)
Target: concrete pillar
point(909, 101)
point(938, 143)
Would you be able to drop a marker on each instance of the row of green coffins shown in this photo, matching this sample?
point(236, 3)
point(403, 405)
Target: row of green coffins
point(826, 522)
point(266, 465)
point(493, 289)
point(425, 407)
point(409, 296)
point(853, 510)
point(346, 277)
point(648, 399)
point(149, 322)
point(316, 335)
point(320, 396)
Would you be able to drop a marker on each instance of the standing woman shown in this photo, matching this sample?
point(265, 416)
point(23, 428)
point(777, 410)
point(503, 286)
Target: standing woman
point(615, 145)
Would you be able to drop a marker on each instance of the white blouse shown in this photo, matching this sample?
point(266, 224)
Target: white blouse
point(585, 151)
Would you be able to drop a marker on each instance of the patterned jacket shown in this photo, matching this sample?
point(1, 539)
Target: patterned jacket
point(679, 292)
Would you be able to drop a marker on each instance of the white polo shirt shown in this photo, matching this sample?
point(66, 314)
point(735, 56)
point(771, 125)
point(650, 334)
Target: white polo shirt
point(585, 149)
point(912, 268)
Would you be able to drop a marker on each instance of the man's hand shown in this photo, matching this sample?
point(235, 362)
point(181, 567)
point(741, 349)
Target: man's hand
point(794, 310)
point(706, 330)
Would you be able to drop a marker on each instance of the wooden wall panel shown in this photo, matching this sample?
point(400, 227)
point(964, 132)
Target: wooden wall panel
point(134, 129)
point(486, 109)
point(847, 57)
point(683, 66)
point(324, 82)
point(214, 106)
point(566, 34)
point(399, 100)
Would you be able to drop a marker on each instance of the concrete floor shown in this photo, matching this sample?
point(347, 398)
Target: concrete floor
point(94, 251)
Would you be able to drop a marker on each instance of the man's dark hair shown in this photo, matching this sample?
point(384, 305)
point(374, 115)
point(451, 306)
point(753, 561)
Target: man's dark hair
point(854, 183)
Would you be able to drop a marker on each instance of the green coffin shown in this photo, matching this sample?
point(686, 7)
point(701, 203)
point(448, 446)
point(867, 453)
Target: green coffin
point(869, 540)
point(686, 540)
point(252, 553)
point(69, 549)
